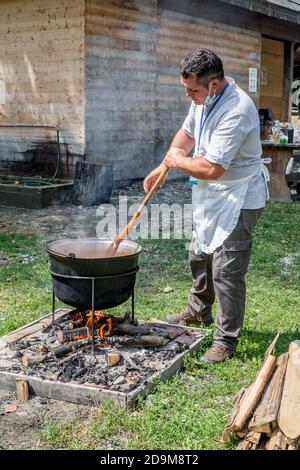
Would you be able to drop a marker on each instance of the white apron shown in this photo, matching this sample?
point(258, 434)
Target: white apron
point(216, 209)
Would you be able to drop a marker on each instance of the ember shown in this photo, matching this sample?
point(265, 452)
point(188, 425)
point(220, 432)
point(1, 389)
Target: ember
point(126, 356)
point(83, 322)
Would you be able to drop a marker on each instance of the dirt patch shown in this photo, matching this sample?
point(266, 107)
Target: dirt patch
point(22, 428)
point(77, 221)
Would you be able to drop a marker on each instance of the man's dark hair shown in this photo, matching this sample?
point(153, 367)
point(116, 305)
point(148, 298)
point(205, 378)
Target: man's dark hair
point(202, 64)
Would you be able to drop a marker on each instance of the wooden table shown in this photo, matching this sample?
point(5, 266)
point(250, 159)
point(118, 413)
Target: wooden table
point(280, 154)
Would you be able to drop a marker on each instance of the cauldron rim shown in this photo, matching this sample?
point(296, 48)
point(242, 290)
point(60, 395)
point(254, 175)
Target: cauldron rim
point(51, 251)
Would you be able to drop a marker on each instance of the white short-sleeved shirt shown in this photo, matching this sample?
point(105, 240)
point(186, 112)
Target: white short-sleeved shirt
point(231, 139)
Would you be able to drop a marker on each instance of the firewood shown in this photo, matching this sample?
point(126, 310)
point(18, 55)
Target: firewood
point(244, 445)
point(294, 445)
point(270, 349)
point(274, 425)
point(124, 328)
point(22, 389)
point(250, 442)
point(277, 441)
point(254, 438)
point(67, 335)
point(243, 433)
point(267, 410)
point(289, 412)
point(32, 360)
point(57, 352)
point(236, 403)
point(129, 329)
point(113, 358)
point(271, 444)
point(253, 394)
point(263, 429)
point(281, 442)
point(64, 350)
point(147, 341)
point(68, 358)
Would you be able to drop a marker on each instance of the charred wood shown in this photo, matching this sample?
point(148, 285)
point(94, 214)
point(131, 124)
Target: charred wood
point(123, 328)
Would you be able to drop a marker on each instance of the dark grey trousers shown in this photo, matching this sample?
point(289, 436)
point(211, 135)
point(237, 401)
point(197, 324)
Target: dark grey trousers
point(222, 275)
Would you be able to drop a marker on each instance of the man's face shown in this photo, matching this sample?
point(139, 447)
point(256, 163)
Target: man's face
point(193, 90)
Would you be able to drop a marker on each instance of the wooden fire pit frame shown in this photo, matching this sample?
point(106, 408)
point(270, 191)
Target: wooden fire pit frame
point(86, 394)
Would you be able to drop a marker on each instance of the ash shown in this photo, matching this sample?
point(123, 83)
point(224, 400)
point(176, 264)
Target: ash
point(114, 366)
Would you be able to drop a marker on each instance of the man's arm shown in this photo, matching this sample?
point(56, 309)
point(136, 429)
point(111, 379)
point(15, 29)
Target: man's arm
point(182, 141)
point(199, 167)
point(225, 143)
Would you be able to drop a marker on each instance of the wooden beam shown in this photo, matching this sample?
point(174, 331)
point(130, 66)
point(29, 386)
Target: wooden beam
point(253, 393)
point(22, 389)
point(267, 410)
point(289, 412)
point(270, 349)
point(288, 80)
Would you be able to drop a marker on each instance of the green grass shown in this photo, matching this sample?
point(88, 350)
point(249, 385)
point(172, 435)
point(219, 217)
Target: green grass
point(190, 410)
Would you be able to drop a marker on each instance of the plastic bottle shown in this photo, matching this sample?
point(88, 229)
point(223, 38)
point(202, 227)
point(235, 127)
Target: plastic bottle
point(283, 138)
point(290, 133)
point(276, 132)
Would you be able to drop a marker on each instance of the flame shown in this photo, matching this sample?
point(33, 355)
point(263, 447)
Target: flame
point(103, 325)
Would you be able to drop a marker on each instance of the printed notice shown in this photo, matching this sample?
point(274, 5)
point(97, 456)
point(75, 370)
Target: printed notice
point(252, 80)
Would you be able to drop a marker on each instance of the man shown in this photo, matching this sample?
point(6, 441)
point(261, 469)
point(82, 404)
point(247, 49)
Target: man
point(228, 195)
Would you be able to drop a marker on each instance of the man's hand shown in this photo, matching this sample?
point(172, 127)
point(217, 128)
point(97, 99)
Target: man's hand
point(174, 158)
point(150, 180)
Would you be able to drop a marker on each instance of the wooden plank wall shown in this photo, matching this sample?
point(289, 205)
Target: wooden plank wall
point(107, 71)
point(272, 58)
point(120, 85)
point(42, 68)
point(134, 99)
point(180, 33)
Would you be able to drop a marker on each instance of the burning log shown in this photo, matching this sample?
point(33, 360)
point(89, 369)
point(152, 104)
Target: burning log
point(85, 332)
point(68, 335)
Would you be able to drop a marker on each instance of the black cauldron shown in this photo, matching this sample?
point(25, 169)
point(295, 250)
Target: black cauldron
point(80, 272)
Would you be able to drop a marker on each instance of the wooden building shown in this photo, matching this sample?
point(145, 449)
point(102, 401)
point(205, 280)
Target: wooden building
point(107, 73)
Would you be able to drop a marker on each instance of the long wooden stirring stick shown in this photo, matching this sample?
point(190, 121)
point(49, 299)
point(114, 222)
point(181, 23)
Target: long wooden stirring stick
point(112, 249)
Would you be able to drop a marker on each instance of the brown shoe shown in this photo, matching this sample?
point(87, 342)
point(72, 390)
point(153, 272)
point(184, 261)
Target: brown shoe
point(184, 318)
point(217, 353)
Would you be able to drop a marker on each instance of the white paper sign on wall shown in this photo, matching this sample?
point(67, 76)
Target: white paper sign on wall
point(252, 80)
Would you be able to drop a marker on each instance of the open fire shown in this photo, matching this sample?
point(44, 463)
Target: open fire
point(87, 355)
point(125, 358)
point(82, 326)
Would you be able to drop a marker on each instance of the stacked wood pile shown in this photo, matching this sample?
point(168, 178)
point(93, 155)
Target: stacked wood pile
point(266, 414)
